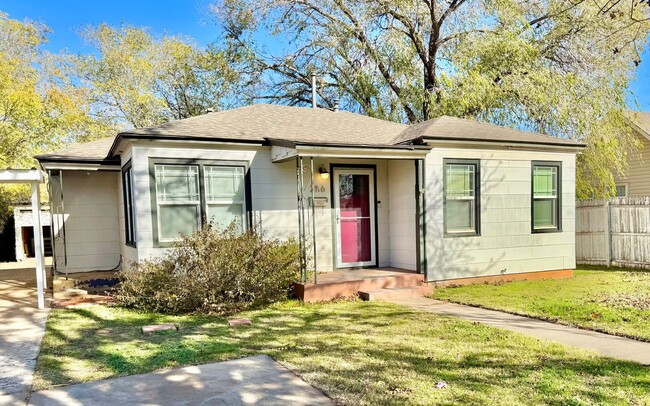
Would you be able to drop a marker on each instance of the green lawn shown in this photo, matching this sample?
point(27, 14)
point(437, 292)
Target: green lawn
point(615, 300)
point(356, 352)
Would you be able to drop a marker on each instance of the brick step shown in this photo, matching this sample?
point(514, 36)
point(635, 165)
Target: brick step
point(70, 293)
point(395, 293)
point(310, 292)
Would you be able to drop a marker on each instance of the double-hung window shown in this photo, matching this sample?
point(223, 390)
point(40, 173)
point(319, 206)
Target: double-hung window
point(129, 209)
point(461, 197)
point(546, 196)
point(191, 193)
point(225, 195)
point(178, 200)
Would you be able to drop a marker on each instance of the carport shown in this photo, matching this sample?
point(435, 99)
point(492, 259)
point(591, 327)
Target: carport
point(33, 177)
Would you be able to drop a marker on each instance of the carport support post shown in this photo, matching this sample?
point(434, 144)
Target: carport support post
point(38, 244)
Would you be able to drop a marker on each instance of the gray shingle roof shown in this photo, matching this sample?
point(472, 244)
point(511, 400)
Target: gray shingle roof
point(459, 129)
point(88, 151)
point(259, 122)
point(263, 122)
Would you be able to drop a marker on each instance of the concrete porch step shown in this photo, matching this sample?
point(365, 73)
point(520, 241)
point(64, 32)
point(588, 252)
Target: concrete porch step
point(397, 293)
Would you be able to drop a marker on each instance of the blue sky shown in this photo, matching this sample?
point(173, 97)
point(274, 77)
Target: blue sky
point(189, 17)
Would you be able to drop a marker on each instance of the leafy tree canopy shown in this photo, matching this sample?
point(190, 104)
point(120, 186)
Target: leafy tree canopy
point(138, 80)
point(560, 67)
point(39, 109)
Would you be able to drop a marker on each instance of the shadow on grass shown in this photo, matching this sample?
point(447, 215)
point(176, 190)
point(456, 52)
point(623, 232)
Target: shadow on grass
point(357, 352)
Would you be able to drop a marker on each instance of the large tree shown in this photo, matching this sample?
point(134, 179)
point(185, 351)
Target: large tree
point(39, 109)
point(139, 80)
point(560, 67)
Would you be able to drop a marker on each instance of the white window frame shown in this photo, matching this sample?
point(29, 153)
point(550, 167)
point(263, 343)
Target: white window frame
point(627, 189)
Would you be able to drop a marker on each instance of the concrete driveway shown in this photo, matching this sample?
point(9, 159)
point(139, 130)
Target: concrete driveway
point(247, 381)
point(22, 327)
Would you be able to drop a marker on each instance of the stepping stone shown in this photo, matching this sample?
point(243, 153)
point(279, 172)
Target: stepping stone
point(158, 327)
point(239, 322)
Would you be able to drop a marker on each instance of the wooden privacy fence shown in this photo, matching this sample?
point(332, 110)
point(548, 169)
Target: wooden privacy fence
point(614, 231)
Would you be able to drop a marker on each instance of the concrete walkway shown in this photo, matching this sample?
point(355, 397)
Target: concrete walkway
point(22, 327)
point(605, 344)
point(246, 381)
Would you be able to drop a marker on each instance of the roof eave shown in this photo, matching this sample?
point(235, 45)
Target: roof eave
point(294, 144)
point(638, 128)
point(537, 144)
point(70, 163)
point(160, 137)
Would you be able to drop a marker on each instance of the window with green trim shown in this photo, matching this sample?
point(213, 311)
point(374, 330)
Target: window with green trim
point(178, 200)
point(188, 195)
point(224, 194)
point(461, 197)
point(621, 190)
point(546, 196)
point(129, 205)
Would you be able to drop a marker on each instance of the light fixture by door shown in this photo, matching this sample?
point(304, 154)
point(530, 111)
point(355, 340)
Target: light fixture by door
point(324, 173)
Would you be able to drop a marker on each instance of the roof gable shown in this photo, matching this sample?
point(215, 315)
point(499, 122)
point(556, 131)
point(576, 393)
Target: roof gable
point(640, 122)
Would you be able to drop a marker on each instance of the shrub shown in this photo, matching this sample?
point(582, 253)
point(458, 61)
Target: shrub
point(214, 271)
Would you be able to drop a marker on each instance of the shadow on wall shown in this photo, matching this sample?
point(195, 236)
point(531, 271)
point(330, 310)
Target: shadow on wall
point(447, 257)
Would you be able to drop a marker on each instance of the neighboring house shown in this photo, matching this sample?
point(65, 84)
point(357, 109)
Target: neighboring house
point(449, 198)
point(24, 232)
point(637, 181)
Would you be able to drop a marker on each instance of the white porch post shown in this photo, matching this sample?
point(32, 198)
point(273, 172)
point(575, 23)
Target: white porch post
point(38, 245)
point(33, 177)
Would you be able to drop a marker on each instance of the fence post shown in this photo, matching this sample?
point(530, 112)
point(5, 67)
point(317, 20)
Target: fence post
point(608, 234)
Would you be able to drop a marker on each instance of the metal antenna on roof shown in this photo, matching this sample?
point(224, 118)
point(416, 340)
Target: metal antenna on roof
point(313, 91)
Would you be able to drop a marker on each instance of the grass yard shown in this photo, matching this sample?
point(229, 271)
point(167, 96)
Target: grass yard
point(356, 352)
point(615, 300)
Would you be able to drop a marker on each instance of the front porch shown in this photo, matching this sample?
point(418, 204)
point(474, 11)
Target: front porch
point(369, 284)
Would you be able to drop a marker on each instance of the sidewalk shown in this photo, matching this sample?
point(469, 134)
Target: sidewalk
point(22, 327)
point(605, 344)
point(246, 381)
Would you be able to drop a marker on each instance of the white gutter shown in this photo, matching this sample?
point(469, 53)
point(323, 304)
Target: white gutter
point(370, 153)
point(76, 166)
point(500, 145)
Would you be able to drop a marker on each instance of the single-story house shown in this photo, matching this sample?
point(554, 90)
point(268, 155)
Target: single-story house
point(637, 181)
point(448, 198)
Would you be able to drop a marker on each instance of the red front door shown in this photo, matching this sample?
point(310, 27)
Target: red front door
point(355, 215)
